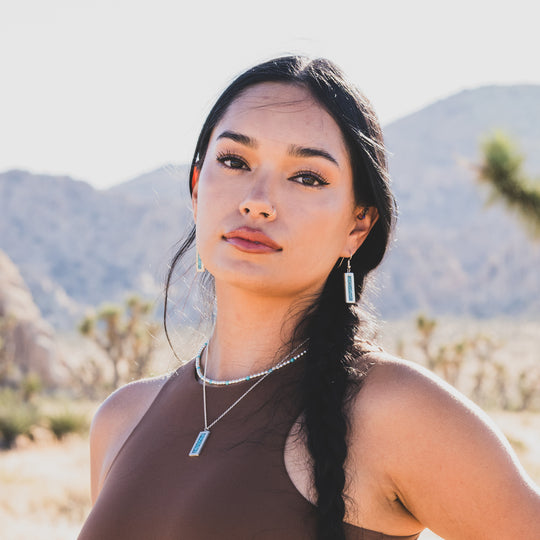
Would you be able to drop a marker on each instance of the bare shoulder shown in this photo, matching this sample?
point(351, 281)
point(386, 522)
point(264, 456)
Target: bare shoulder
point(449, 465)
point(404, 402)
point(393, 381)
point(113, 422)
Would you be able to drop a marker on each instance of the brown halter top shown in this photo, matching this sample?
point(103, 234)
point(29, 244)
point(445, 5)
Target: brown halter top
point(237, 489)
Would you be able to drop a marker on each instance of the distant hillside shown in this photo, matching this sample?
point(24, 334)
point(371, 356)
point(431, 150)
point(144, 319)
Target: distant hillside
point(453, 253)
point(77, 246)
point(164, 184)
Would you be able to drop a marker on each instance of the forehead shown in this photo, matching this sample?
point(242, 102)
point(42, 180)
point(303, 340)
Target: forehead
point(283, 112)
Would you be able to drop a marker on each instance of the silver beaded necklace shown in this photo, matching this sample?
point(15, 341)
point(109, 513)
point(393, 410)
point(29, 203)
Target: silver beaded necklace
point(203, 435)
point(202, 376)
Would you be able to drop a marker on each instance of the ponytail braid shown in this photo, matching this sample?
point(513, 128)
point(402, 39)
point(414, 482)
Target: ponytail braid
point(331, 327)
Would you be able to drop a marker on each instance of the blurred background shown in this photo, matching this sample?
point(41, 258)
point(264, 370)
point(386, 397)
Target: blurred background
point(100, 108)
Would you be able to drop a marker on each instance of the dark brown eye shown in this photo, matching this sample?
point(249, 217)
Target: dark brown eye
point(232, 162)
point(309, 179)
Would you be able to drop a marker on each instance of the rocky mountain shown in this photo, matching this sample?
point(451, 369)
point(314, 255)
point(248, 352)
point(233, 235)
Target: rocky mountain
point(27, 339)
point(77, 246)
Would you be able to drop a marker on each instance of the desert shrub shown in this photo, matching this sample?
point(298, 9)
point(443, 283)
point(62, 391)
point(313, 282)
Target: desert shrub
point(30, 386)
point(16, 417)
point(66, 422)
point(475, 365)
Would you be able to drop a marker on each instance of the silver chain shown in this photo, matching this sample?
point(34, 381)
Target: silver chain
point(252, 387)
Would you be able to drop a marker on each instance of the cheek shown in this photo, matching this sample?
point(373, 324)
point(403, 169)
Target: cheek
point(215, 208)
point(335, 215)
point(325, 231)
point(212, 199)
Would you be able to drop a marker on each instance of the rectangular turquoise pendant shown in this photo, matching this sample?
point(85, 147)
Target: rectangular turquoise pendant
point(199, 443)
point(349, 288)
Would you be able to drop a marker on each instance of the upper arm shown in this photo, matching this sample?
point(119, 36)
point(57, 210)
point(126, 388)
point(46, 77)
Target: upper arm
point(451, 467)
point(112, 424)
point(100, 439)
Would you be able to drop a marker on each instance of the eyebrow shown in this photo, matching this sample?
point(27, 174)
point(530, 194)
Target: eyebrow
point(293, 150)
point(239, 138)
point(302, 151)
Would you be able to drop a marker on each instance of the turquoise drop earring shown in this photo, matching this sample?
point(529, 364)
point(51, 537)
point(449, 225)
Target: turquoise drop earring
point(199, 264)
point(350, 296)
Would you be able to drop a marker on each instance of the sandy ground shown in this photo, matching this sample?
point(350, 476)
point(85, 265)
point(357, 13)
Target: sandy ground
point(44, 489)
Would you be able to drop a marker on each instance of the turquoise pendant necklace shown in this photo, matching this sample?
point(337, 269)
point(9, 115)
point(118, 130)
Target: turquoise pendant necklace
point(205, 433)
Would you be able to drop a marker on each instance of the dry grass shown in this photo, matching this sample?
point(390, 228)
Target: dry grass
point(44, 490)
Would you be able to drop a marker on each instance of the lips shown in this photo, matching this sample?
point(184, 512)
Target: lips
point(251, 241)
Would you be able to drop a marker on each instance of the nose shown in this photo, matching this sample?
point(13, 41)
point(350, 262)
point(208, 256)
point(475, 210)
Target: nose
point(257, 202)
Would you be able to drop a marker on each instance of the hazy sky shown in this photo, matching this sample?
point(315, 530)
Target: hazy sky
point(104, 90)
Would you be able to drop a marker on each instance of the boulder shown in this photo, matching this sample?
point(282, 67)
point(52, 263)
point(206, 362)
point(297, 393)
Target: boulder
point(28, 338)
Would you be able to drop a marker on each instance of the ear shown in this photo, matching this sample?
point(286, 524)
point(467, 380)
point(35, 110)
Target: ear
point(364, 219)
point(195, 190)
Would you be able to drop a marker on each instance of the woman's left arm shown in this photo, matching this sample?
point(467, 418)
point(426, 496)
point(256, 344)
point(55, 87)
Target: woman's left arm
point(451, 467)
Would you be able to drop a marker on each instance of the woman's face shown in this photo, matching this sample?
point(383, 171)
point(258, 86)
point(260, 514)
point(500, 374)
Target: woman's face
point(274, 203)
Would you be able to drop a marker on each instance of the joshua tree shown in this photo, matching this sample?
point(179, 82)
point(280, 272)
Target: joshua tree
point(426, 327)
point(126, 335)
point(502, 169)
point(484, 347)
point(528, 387)
point(450, 359)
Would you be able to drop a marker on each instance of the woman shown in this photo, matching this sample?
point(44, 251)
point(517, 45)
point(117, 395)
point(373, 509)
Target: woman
point(288, 425)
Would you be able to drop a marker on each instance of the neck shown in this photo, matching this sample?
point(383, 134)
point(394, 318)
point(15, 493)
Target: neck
point(252, 333)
